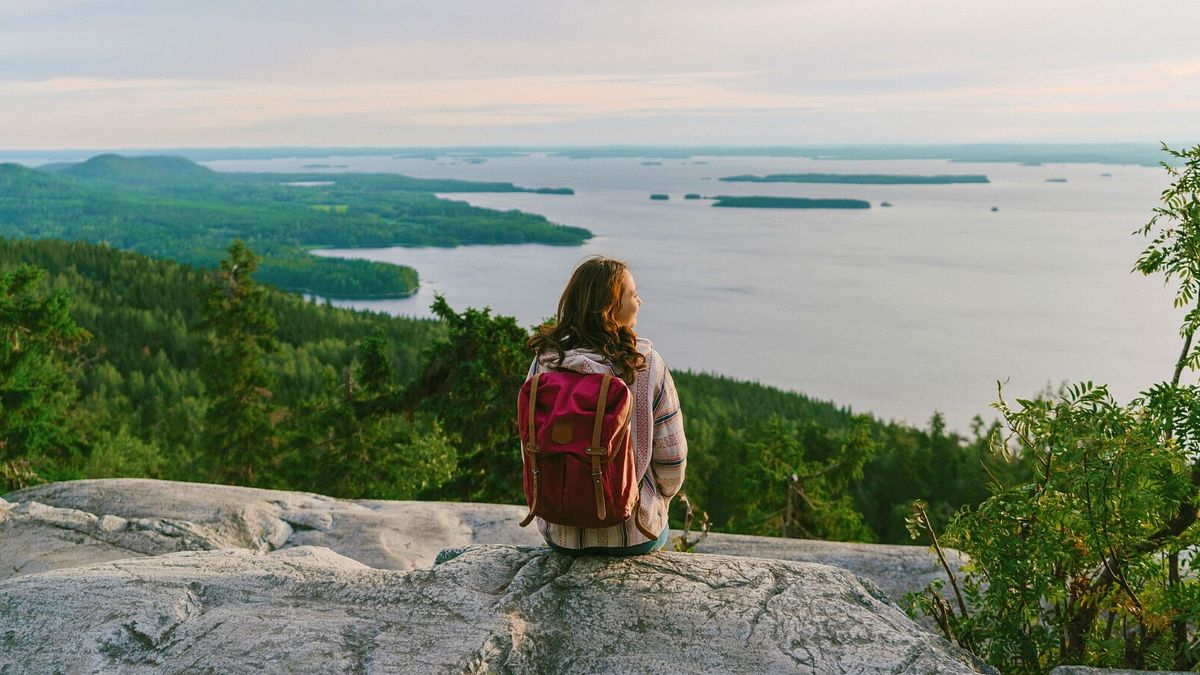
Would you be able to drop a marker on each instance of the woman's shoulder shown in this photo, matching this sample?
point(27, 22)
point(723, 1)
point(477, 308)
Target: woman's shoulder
point(653, 360)
point(645, 346)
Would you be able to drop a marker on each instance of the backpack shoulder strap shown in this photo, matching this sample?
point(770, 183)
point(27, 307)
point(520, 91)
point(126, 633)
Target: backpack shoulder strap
point(531, 447)
point(596, 450)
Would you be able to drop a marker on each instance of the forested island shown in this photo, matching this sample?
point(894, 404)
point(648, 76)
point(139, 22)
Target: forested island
point(789, 203)
point(857, 178)
point(173, 208)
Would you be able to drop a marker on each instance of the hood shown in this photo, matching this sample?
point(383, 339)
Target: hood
point(586, 361)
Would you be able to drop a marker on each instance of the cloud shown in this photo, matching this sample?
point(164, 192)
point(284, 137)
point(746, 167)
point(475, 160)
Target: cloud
point(131, 72)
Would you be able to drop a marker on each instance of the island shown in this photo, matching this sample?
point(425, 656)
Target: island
point(660, 197)
point(1056, 180)
point(789, 203)
point(856, 178)
point(692, 195)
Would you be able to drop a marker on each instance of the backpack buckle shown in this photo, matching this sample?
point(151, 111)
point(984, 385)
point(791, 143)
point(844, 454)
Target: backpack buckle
point(594, 450)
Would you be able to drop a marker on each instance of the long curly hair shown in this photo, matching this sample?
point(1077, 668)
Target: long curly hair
point(586, 319)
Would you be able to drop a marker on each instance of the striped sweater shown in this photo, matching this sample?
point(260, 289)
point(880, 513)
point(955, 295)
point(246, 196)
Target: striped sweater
point(660, 449)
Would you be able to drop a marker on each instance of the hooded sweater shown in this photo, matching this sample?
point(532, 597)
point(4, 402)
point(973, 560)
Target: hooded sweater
point(660, 448)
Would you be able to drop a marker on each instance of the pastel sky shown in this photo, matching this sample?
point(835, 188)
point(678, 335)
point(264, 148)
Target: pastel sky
point(170, 73)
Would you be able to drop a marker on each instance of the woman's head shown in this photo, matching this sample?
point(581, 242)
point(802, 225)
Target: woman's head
point(597, 311)
point(600, 295)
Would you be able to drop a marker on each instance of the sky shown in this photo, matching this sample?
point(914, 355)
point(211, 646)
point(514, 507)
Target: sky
point(170, 73)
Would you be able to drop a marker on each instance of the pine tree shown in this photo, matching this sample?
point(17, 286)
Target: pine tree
point(353, 443)
point(36, 385)
point(469, 383)
point(239, 434)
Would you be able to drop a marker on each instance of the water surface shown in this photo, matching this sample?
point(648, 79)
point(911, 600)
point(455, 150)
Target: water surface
point(899, 311)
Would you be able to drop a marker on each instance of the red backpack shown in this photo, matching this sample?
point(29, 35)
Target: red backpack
point(578, 450)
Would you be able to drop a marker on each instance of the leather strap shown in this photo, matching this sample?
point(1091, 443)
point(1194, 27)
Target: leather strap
point(596, 450)
point(532, 448)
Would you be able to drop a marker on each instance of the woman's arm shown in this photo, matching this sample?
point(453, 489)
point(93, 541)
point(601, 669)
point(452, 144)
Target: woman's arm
point(668, 461)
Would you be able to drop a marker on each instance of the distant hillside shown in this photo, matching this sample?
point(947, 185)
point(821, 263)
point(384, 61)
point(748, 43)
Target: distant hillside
point(143, 173)
point(165, 174)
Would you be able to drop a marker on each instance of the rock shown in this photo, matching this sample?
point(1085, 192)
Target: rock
point(63, 524)
point(166, 516)
point(896, 569)
point(489, 609)
point(35, 537)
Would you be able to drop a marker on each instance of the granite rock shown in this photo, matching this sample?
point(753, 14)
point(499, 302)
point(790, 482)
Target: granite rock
point(487, 609)
point(78, 522)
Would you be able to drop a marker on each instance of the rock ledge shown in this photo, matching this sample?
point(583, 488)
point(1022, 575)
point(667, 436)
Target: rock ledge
point(486, 609)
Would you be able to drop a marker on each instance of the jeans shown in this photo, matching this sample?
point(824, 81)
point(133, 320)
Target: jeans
point(639, 549)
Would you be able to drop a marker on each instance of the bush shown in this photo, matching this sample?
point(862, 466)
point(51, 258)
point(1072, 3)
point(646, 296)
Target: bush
point(1082, 564)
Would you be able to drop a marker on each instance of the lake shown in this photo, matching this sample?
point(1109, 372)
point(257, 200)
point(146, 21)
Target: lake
point(899, 311)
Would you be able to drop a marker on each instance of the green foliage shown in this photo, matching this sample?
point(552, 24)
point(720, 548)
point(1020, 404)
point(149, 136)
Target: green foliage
point(122, 454)
point(945, 469)
point(141, 376)
point(791, 479)
point(18, 473)
point(723, 415)
point(355, 445)
point(469, 383)
point(1082, 564)
point(239, 427)
point(1175, 248)
point(1106, 482)
point(37, 336)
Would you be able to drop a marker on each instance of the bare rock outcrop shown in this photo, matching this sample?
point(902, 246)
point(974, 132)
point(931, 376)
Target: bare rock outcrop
point(79, 522)
point(894, 568)
point(488, 609)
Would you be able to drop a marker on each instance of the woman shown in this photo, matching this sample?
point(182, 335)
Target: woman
point(593, 333)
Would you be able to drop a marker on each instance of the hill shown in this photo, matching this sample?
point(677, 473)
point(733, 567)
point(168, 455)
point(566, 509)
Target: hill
point(148, 172)
point(169, 174)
